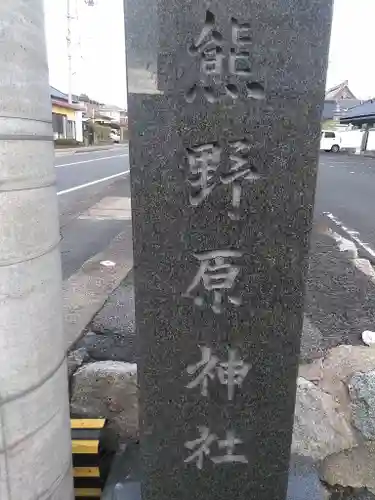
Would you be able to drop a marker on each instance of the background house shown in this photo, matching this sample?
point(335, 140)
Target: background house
point(338, 100)
point(89, 107)
point(117, 114)
point(66, 118)
point(361, 116)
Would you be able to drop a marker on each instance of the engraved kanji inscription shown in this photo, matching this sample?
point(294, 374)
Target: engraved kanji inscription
point(210, 167)
point(203, 164)
point(201, 448)
point(217, 274)
point(225, 66)
point(230, 373)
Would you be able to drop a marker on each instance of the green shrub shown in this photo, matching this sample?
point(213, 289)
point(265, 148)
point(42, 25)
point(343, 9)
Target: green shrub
point(67, 143)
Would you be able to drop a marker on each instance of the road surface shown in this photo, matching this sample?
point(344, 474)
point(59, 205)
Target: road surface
point(83, 180)
point(340, 296)
point(345, 194)
point(94, 198)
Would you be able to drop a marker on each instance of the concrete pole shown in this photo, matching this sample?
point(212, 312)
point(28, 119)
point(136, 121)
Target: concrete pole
point(35, 446)
point(69, 50)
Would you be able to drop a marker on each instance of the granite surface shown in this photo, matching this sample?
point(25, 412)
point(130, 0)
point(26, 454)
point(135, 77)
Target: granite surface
point(223, 146)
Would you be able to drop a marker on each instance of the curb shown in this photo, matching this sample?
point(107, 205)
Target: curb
point(92, 149)
point(85, 292)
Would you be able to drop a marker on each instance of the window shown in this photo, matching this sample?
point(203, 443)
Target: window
point(71, 129)
point(58, 125)
point(330, 135)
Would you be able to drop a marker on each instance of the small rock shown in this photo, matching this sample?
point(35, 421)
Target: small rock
point(319, 429)
point(108, 389)
point(339, 365)
point(362, 393)
point(76, 359)
point(368, 337)
point(354, 468)
point(311, 371)
point(111, 347)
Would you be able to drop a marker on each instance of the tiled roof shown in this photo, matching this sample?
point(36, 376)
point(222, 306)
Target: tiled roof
point(330, 107)
point(56, 94)
point(60, 96)
point(333, 92)
point(365, 109)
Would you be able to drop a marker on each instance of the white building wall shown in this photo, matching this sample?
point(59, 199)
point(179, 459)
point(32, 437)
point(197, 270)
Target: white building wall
point(79, 126)
point(351, 139)
point(371, 141)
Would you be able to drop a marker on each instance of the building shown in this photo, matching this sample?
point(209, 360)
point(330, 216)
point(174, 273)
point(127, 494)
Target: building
point(90, 107)
point(66, 118)
point(115, 113)
point(360, 128)
point(360, 116)
point(338, 100)
point(340, 92)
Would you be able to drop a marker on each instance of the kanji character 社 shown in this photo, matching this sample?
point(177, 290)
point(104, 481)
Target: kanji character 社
point(229, 443)
point(202, 445)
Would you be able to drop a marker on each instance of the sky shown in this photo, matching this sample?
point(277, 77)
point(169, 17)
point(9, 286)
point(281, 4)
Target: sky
point(352, 42)
point(98, 48)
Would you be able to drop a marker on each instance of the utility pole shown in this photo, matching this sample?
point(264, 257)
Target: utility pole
point(69, 18)
point(69, 49)
point(35, 444)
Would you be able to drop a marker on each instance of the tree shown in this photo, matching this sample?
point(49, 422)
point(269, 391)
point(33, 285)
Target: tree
point(35, 445)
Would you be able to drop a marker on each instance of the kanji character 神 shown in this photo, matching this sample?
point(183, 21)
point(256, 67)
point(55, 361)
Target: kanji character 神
point(230, 373)
point(208, 364)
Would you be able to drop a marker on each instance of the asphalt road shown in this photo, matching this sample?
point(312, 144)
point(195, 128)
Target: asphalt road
point(83, 180)
point(345, 193)
point(340, 300)
point(340, 296)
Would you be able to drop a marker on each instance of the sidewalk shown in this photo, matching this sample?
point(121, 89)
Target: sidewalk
point(88, 149)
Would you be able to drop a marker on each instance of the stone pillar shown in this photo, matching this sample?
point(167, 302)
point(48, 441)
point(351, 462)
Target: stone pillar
point(35, 446)
point(225, 100)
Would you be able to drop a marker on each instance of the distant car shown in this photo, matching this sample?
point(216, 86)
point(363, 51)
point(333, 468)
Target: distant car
point(330, 141)
point(115, 136)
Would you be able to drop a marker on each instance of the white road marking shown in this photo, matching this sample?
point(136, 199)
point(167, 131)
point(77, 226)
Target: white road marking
point(349, 247)
point(92, 183)
point(88, 161)
point(353, 234)
point(107, 263)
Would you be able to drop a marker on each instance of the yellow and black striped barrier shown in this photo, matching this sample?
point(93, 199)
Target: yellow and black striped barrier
point(85, 449)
